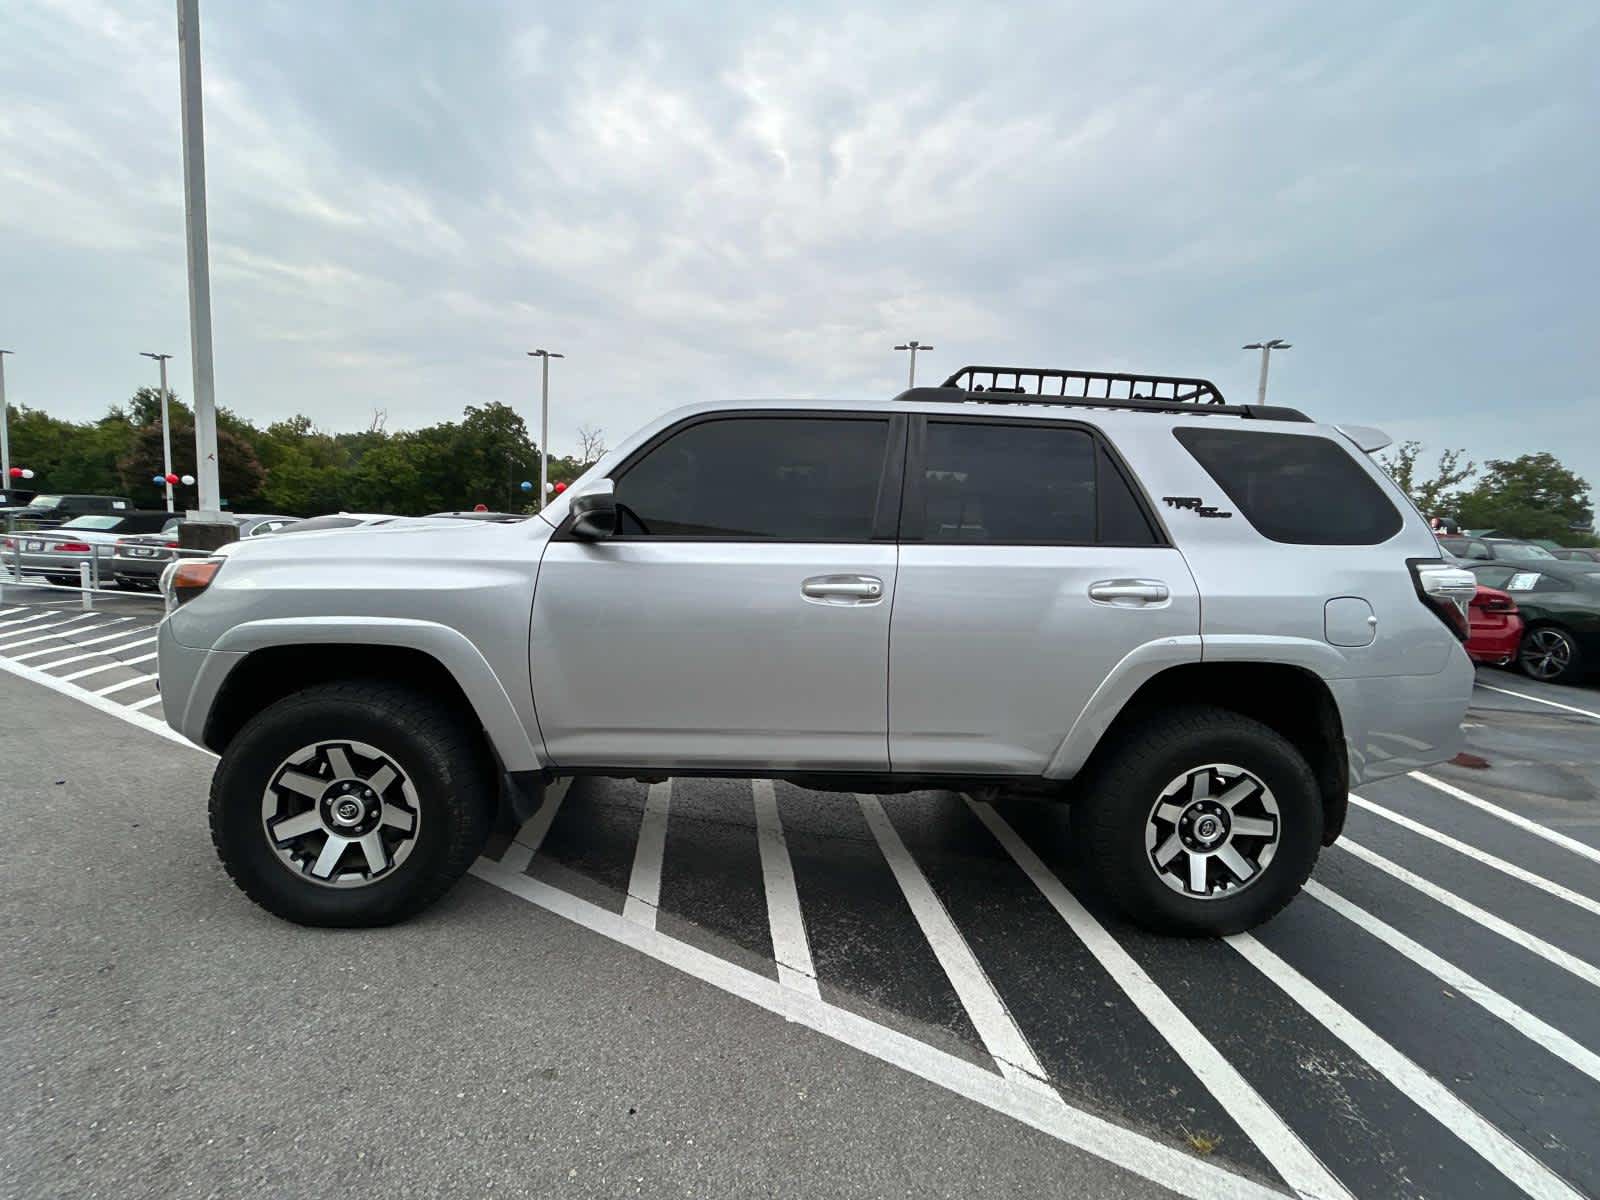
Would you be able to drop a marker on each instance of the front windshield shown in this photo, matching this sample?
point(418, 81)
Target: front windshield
point(92, 523)
point(45, 502)
point(1529, 550)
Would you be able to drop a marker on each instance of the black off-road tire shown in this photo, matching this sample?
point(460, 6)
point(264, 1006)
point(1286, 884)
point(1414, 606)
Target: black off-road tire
point(1113, 803)
point(437, 746)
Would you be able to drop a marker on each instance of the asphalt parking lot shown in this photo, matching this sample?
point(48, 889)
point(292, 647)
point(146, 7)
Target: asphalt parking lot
point(733, 988)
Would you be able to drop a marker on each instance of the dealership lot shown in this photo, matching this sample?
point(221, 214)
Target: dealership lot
point(726, 987)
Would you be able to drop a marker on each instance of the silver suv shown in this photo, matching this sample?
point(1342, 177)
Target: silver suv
point(1199, 623)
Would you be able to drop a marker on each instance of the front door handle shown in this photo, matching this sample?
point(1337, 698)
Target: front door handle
point(843, 589)
point(1129, 593)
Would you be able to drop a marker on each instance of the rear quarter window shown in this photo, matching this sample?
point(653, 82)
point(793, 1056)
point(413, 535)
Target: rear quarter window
point(1301, 489)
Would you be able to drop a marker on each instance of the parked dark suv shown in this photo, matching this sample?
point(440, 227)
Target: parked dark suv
point(48, 511)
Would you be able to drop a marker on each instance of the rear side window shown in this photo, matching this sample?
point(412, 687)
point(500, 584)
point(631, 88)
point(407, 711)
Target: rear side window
point(999, 483)
point(796, 479)
point(1304, 490)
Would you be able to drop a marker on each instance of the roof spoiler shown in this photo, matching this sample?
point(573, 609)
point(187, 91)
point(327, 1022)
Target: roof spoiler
point(1366, 437)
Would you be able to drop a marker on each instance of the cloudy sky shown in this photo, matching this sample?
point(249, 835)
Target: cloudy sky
point(697, 201)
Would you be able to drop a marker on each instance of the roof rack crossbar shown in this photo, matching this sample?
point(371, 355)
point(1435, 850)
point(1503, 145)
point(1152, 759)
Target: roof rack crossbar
point(1085, 385)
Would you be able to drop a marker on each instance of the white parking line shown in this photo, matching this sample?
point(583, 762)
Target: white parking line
point(1554, 954)
point(1517, 819)
point(988, 1013)
point(110, 707)
point(1513, 1014)
point(140, 639)
point(1438, 1101)
point(37, 634)
point(36, 615)
point(644, 885)
point(1033, 1106)
point(1541, 700)
point(530, 837)
point(1489, 860)
point(1289, 1156)
point(149, 702)
point(6, 612)
point(126, 684)
point(791, 949)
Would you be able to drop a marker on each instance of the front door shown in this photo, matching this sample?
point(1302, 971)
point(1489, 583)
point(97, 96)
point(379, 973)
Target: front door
point(1028, 569)
point(739, 619)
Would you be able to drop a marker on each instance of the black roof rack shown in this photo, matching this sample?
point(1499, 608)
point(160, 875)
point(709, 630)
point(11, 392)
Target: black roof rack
point(1063, 384)
point(1092, 389)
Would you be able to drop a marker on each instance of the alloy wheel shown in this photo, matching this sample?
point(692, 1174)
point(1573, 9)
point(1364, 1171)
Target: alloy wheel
point(340, 814)
point(1212, 832)
point(1546, 653)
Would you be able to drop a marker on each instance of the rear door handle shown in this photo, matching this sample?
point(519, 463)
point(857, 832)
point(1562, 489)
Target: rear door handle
point(1129, 593)
point(843, 589)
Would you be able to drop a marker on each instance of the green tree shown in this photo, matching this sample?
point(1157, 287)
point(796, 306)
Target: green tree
point(1533, 496)
point(240, 473)
point(1436, 495)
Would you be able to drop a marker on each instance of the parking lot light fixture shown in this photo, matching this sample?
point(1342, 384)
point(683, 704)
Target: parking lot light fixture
point(5, 421)
point(913, 345)
point(1266, 349)
point(544, 419)
point(166, 433)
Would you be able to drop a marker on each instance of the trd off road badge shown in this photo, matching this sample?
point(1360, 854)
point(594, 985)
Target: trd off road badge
point(1192, 503)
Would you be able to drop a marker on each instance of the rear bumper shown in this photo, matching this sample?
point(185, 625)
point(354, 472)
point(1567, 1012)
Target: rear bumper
point(1496, 646)
point(1399, 723)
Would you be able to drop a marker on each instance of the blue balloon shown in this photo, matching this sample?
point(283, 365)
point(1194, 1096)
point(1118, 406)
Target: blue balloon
point(526, 486)
point(159, 480)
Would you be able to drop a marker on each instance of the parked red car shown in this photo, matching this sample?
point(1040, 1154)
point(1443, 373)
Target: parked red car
point(1494, 627)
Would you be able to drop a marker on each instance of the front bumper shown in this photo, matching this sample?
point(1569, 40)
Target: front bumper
point(190, 681)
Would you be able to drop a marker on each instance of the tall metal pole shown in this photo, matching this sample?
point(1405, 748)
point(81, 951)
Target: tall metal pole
point(544, 417)
point(5, 426)
point(166, 427)
point(544, 427)
point(913, 346)
point(1266, 348)
point(194, 213)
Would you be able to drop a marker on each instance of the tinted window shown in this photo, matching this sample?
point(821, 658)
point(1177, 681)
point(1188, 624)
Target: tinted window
point(1520, 550)
point(1000, 483)
point(789, 478)
point(1301, 489)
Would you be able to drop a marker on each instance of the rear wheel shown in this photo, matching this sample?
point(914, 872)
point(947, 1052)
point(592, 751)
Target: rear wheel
point(351, 804)
point(1549, 653)
point(1199, 821)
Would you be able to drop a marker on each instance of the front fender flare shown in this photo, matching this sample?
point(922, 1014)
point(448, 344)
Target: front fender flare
point(507, 732)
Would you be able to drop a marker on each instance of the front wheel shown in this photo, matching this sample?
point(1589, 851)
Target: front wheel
point(1199, 821)
point(351, 804)
point(1550, 654)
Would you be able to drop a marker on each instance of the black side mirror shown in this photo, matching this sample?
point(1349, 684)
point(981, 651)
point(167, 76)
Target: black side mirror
point(594, 514)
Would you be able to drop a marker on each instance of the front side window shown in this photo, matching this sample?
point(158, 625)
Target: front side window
point(1295, 488)
point(758, 478)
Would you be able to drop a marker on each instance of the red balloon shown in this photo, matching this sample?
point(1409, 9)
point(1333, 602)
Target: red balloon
point(560, 487)
point(172, 479)
point(16, 472)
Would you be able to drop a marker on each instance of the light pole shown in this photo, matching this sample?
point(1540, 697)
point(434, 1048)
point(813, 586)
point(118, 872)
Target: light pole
point(913, 346)
point(5, 425)
point(204, 395)
point(166, 434)
point(1266, 349)
point(544, 357)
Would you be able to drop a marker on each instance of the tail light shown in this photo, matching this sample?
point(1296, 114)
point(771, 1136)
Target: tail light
point(1495, 604)
point(7, 544)
point(70, 548)
point(170, 545)
point(1446, 590)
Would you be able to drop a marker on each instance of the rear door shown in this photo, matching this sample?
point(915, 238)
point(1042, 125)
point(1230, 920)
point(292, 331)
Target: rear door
point(1029, 567)
point(740, 617)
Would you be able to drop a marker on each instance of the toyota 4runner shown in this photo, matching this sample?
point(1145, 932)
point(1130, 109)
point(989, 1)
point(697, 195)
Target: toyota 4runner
point(1199, 623)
